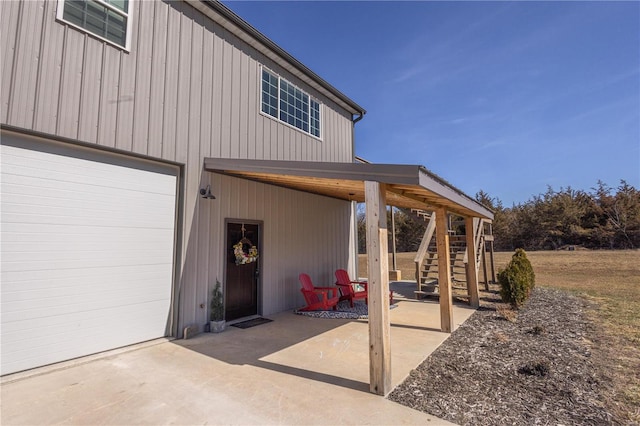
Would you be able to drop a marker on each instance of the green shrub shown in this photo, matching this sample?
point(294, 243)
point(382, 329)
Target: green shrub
point(520, 258)
point(517, 279)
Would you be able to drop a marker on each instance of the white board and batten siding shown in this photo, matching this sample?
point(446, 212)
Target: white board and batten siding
point(87, 253)
point(188, 89)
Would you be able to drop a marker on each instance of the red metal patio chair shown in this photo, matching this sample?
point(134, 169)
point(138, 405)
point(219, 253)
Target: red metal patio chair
point(351, 290)
point(318, 298)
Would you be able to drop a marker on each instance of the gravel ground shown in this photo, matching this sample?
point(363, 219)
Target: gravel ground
point(529, 367)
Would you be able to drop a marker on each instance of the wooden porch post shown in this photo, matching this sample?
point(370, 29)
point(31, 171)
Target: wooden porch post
point(378, 258)
point(444, 271)
point(471, 268)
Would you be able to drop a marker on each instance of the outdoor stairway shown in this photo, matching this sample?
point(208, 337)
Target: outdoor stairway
point(427, 257)
point(429, 272)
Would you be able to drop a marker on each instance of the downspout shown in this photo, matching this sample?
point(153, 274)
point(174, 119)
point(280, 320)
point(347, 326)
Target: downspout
point(354, 213)
point(353, 133)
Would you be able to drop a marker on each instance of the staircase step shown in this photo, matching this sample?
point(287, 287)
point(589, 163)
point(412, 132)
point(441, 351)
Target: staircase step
point(425, 293)
point(429, 274)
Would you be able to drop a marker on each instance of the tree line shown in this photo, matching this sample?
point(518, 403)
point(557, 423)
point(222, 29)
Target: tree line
point(602, 218)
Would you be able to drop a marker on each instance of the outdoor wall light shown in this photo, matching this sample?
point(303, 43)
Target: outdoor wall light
point(206, 193)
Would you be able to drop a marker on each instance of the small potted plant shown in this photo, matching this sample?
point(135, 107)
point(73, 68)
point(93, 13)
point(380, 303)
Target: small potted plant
point(217, 323)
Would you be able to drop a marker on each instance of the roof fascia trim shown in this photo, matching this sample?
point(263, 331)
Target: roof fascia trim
point(384, 173)
point(441, 187)
point(399, 174)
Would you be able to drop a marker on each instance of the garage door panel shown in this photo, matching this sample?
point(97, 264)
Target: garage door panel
point(49, 192)
point(45, 233)
point(100, 320)
point(17, 309)
point(54, 286)
point(61, 278)
point(75, 170)
point(39, 204)
point(76, 258)
point(61, 198)
point(52, 265)
point(92, 245)
point(87, 252)
point(79, 221)
point(63, 287)
point(57, 340)
point(134, 212)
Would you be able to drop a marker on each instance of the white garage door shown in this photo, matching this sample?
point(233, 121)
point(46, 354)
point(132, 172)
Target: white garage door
point(87, 245)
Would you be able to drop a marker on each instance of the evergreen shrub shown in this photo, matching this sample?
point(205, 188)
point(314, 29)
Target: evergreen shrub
point(517, 279)
point(217, 303)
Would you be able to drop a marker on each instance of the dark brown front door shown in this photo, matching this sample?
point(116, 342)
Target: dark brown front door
point(241, 292)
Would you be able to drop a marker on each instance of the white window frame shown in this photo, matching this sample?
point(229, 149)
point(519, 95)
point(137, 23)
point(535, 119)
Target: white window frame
point(128, 15)
point(320, 105)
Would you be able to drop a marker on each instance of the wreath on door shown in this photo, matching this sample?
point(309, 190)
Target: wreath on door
point(244, 250)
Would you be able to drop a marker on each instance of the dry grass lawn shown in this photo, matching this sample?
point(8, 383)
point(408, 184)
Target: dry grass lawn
point(611, 279)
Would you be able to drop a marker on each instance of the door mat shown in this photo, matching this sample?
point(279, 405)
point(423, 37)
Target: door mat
point(251, 323)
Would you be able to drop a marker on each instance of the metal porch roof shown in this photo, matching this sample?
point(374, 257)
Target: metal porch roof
point(407, 186)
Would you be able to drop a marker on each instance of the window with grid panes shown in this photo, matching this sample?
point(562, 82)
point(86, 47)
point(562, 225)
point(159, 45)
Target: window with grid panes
point(284, 101)
point(107, 19)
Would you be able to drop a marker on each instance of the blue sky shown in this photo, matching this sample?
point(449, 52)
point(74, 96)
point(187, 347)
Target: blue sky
point(507, 97)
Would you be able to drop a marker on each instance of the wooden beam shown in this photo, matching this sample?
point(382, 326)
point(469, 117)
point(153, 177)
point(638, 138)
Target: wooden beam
point(444, 271)
point(378, 258)
point(471, 268)
point(393, 240)
point(484, 267)
point(493, 269)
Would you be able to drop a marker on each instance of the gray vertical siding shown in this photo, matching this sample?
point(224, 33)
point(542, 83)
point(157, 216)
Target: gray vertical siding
point(188, 89)
point(151, 100)
point(8, 33)
point(301, 233)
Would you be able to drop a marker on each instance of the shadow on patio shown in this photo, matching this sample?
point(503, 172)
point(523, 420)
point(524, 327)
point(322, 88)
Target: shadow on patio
point(332, 351)
point(294, 370)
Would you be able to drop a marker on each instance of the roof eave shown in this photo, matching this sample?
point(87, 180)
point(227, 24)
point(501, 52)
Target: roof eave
point(411, 177)
point(384, 173)
point(441, 187)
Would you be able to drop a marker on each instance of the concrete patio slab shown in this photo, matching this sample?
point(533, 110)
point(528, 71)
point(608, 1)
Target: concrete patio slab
point(294, 370)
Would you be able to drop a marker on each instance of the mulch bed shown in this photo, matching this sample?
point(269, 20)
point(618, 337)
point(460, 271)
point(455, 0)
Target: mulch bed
point(526, 368)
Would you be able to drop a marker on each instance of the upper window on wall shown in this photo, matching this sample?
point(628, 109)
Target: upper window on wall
point(107, 19)
point(284, 101)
